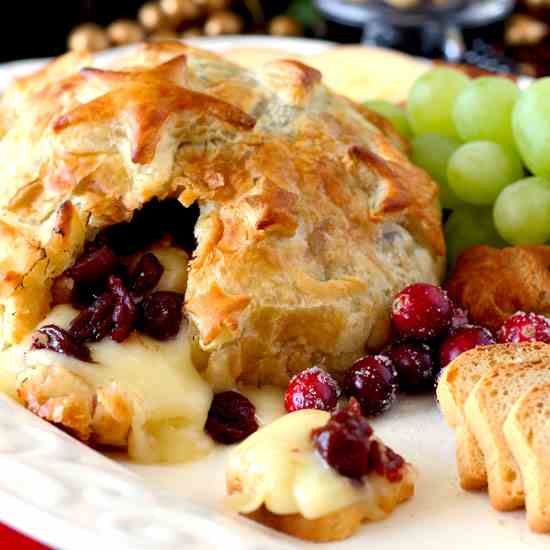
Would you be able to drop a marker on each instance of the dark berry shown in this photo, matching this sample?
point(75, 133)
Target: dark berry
point(147, 274)
point(525, 327)
point(414, 365)
point(421, 311)
point(161, 315)
point(54, 338)
point(461, 340)
point(312, 389)
point(344, 442)
point(95, 322)
point(372, 380)
point(93, 266)
point(124, 312)
point(231, 418)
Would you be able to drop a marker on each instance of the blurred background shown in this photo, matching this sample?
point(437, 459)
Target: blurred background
point(493, 34)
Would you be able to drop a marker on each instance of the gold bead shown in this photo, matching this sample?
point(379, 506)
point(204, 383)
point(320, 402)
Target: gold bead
point(151, 16)
point(192, 32)
point(223, 22)
point(180, 10)
point(125, 31)
point(164, 35)
point(283, 25)
point(88, 37)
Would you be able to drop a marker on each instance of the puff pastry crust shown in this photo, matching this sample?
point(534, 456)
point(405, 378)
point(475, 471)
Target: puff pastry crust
point(311, 215)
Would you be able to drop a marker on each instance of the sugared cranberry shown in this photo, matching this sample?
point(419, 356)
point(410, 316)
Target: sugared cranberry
point(124, 312)
point(161, 315)
point(372, 380)
point(147, 274)
point(231, 418)
point(459, 317)
point(525, 327)
point(95, 322)
point(461, 340)
point(54, 338)
point(414, 365)
point(93, 266)
point(421, 311)
point(312, 389)
point(344, 442)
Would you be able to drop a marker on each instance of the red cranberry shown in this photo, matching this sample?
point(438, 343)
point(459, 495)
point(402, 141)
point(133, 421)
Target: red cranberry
point(461, 340)
point(161, 315)
point(388, 463)
point(525, 327)
point(459, 317)
point(125, 310)
point(231, 418)
point(312, 389)
point(421, 311)
point(95, 322)
point(414, 365)
point(372, 380)
point(93, 266)
point(344, 442)
point(147, 274)
point(54, 338)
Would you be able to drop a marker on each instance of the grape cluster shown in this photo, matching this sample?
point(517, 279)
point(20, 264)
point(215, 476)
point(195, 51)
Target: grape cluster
point(487, 145)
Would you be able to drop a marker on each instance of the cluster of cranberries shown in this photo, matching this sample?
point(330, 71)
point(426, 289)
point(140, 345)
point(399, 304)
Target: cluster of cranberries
point(112, 300)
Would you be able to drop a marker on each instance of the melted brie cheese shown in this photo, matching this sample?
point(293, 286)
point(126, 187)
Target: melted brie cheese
point(278, 467)
point(169, 399)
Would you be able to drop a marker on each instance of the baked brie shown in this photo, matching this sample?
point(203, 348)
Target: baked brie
point(307, 215)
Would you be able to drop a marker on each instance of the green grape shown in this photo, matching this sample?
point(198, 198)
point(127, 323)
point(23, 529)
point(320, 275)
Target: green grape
point(432, 152)
point(478, 171)
point(531, 125)
point(470, 226)
point(431, 99)
point(522, 212)
point(483, 110)
point(393, 113)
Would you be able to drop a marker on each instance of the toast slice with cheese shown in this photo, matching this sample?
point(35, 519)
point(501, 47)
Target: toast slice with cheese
point(527, 432)
point(486, 410)
point(455, 384)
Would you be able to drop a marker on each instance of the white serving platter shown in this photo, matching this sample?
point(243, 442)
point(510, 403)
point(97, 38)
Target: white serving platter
point(68, 496)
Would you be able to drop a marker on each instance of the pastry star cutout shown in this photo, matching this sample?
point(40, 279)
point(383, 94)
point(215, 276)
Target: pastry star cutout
point(144, 100)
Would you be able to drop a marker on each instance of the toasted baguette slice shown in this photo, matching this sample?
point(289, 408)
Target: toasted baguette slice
point(527, 431)
point(486, 411)
point(455, 384)
point(341, 524)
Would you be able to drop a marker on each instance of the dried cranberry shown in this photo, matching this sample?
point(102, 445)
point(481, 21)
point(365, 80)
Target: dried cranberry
point(372, 380)
point(147, 274)
point(161, 315)
point(461, 340)
point(96, 322)
point(231, 418)
point(421, 311)
point(525, 327)
point(414, 365)
point(125, 310)
point(93, 266)
point(54, 338)
point(313, 388)
point(386, 463)
point(344, 442)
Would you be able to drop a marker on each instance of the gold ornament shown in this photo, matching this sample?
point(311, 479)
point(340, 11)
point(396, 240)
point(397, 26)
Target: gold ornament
point(88, 37)
point(164, 35)
point(177, 12)
point(283, 25)
point(125, 31)
point(223, 22)
point(151, 17)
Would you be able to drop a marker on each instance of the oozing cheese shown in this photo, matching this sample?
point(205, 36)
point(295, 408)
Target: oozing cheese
point(170, 400)
point(277, 467)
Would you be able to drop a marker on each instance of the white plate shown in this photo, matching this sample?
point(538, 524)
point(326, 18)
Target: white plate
point(69, 496)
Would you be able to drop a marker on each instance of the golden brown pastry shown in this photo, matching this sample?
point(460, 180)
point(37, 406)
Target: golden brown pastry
point(492, 284)
point(311, 218)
